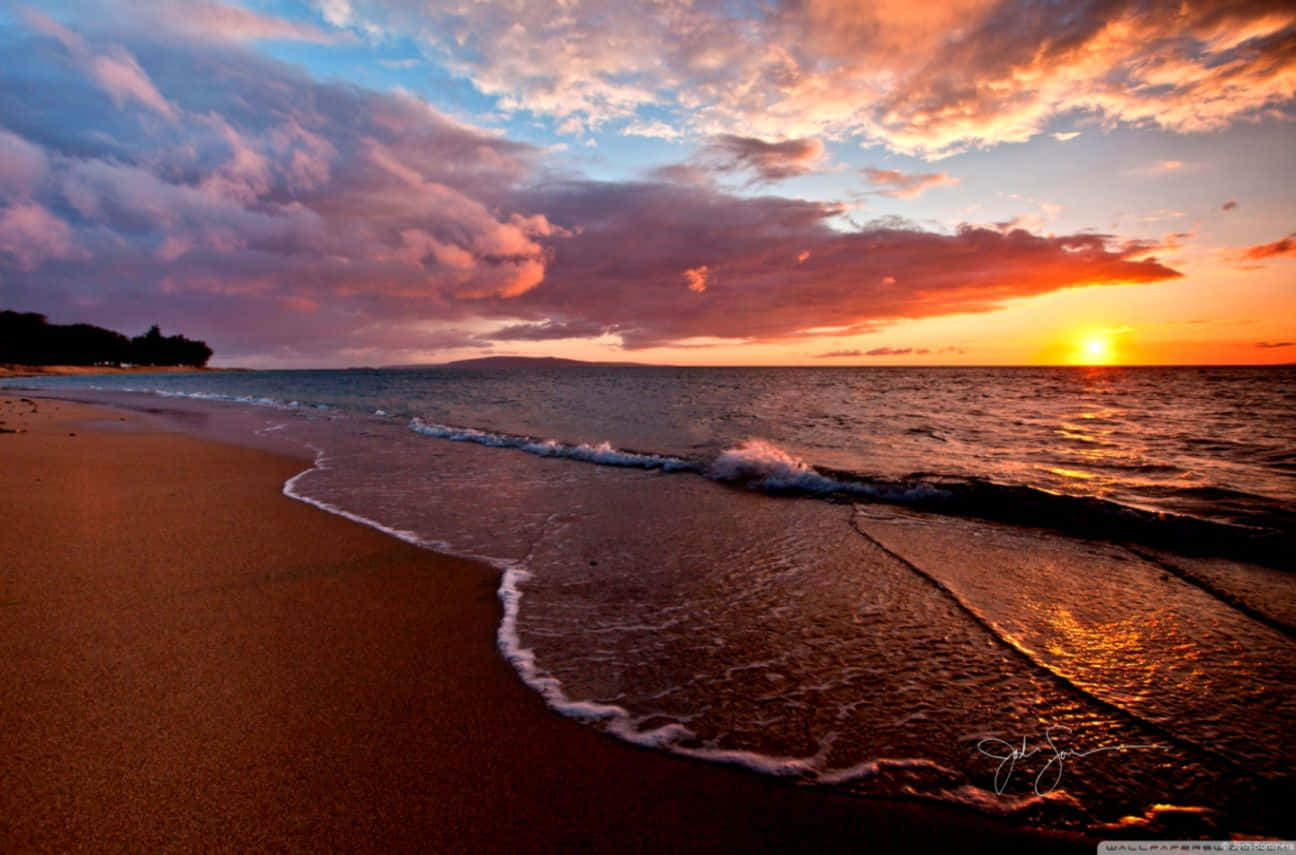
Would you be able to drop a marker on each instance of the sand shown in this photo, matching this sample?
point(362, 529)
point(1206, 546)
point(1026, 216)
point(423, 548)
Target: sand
point(193, 662)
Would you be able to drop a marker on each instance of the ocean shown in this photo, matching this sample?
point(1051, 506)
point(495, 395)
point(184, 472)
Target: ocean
point(1063, 595)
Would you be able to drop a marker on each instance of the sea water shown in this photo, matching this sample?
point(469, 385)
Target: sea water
point(1058, 594)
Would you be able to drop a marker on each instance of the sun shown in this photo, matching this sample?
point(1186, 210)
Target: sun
point(1095, 349)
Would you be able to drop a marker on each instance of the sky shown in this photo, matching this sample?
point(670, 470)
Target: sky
point(333, 183)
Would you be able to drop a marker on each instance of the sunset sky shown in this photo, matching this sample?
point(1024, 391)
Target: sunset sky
point(367, 182)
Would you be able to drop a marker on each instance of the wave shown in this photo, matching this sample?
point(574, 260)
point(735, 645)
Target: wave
point(760, 465)
point(1240, 525)
point(252, 400)
point(603, 453)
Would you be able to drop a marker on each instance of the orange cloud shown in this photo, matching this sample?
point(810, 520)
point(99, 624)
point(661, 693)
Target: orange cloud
point(902, 185)
point(696, 278)
point(1277, 249)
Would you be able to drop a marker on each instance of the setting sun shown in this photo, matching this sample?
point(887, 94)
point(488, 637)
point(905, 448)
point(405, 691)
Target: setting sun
point(1095, 349)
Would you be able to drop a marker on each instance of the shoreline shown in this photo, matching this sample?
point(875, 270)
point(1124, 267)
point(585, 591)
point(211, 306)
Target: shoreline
point(195, 660)
point(13, 371)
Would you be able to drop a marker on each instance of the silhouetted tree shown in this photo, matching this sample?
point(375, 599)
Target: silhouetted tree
point(153, 348)
point(27, 338)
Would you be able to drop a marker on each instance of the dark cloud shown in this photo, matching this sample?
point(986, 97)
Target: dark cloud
point(776, 267)
point(547, 331)
point(877, 351)
point(759, 160)
point(771, 161)
point(1270, 345)
point(1230, 205)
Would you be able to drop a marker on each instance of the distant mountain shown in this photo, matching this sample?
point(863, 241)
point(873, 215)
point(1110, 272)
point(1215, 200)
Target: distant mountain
point(507, 362)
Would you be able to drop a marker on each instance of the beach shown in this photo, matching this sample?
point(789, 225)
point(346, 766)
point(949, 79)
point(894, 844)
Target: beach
point(195, 662)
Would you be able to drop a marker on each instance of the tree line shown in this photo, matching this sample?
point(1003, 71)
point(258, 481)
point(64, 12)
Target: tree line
point(27, 338)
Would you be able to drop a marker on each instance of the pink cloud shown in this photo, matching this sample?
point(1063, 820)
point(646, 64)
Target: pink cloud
point(22, 166)
point(123, 79)
point(211, 19)
point(901, 185)
point(115, 69)
point(1164, 167)
point(30, 235)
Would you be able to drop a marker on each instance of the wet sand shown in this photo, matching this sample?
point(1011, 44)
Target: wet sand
point(193, 662)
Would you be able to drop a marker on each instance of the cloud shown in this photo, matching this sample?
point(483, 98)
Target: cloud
point(659, 130)
point(621, 266)
point(765, 161)
point(22, 166)
point(208, 19)
point(113, 68)
point(1164, 167)
point(877, 351)
point(1277, 249)
point(901, 185)
point(1271, 345)
point(30, 236)
point(925, 79)
point(1065, 136)
point(1230, 205)
point(290, 220)
point(547, 331)
point(696, 278)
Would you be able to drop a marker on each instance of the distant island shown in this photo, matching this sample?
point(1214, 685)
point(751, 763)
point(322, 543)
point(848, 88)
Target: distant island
point(28, 338)
point(515, 362)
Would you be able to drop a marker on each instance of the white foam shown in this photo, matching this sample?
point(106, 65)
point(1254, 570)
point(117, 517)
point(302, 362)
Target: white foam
point(603, 453)
point(253, 400)
point(873, 768)
point(514, 573)
point(763, 465)
point(290, 490)
point(769, 467)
